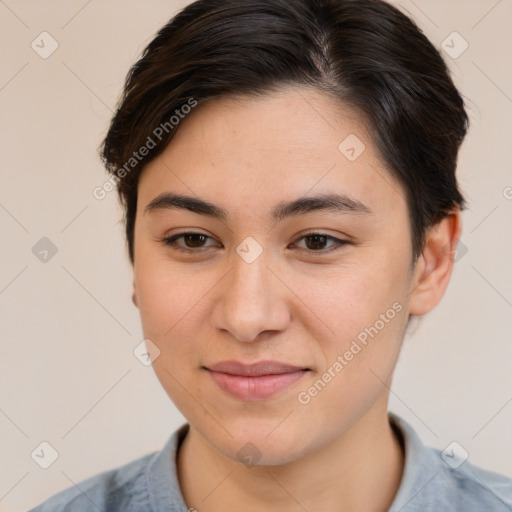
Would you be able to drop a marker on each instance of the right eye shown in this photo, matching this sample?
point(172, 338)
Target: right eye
point(194, 242)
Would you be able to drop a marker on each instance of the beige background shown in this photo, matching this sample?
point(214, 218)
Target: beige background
point(68, 374)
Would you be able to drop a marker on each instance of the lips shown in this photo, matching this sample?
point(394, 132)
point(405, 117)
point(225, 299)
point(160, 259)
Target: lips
point(257, 381)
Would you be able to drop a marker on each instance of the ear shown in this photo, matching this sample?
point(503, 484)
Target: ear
point(434, 266)
point(134, 295)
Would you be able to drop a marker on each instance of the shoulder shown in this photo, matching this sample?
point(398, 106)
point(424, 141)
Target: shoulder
point(445, 480)
point(149, 483)
point(470, 487)
point(119, 489)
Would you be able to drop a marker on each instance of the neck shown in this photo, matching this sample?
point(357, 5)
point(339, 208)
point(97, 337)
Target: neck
point(360, 470)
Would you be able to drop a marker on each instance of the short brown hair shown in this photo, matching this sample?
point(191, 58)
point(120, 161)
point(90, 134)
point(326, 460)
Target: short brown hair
point(366, 53)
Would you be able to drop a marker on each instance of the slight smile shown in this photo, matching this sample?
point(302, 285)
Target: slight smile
point(252, 382)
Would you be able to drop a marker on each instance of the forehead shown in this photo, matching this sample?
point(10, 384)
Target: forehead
point(247, 152)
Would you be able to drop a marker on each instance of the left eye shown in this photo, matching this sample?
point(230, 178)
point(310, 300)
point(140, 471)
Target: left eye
point(194, 242)
point(316, 242)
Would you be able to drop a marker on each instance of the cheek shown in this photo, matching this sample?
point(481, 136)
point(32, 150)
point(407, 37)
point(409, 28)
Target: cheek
point(175, 310)
point(358, 356)
point(170, 304)
point(166, 291)
point(362, 316)
point(348, 298)
point(170, 308)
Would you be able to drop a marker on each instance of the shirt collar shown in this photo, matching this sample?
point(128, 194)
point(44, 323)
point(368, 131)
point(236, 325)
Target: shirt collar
point(421, 468)
point(162, 476)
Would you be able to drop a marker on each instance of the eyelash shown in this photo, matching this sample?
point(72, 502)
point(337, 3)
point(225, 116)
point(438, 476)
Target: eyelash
point(170, 242)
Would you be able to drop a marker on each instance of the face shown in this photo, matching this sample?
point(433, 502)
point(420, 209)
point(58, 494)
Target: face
point(317, 291)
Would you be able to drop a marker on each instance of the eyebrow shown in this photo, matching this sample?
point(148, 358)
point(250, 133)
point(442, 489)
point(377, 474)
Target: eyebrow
point(340, 203)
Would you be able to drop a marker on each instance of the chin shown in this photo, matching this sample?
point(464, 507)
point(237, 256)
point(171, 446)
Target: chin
point(267, 443)
point(262, 452)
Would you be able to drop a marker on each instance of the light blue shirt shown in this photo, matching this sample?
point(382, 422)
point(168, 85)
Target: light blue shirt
point(430, 483)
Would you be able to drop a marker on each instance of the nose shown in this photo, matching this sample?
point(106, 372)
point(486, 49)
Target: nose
point(251, 301)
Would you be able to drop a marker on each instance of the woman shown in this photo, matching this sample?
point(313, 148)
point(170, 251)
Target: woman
point(287, 170)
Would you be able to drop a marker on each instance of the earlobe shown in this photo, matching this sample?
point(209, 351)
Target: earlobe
point(435, 265)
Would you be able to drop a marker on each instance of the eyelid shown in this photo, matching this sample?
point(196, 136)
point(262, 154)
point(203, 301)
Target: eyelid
point(339, 242)
point(169, 241)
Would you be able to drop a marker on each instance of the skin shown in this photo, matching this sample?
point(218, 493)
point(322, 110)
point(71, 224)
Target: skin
point(298, 303)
